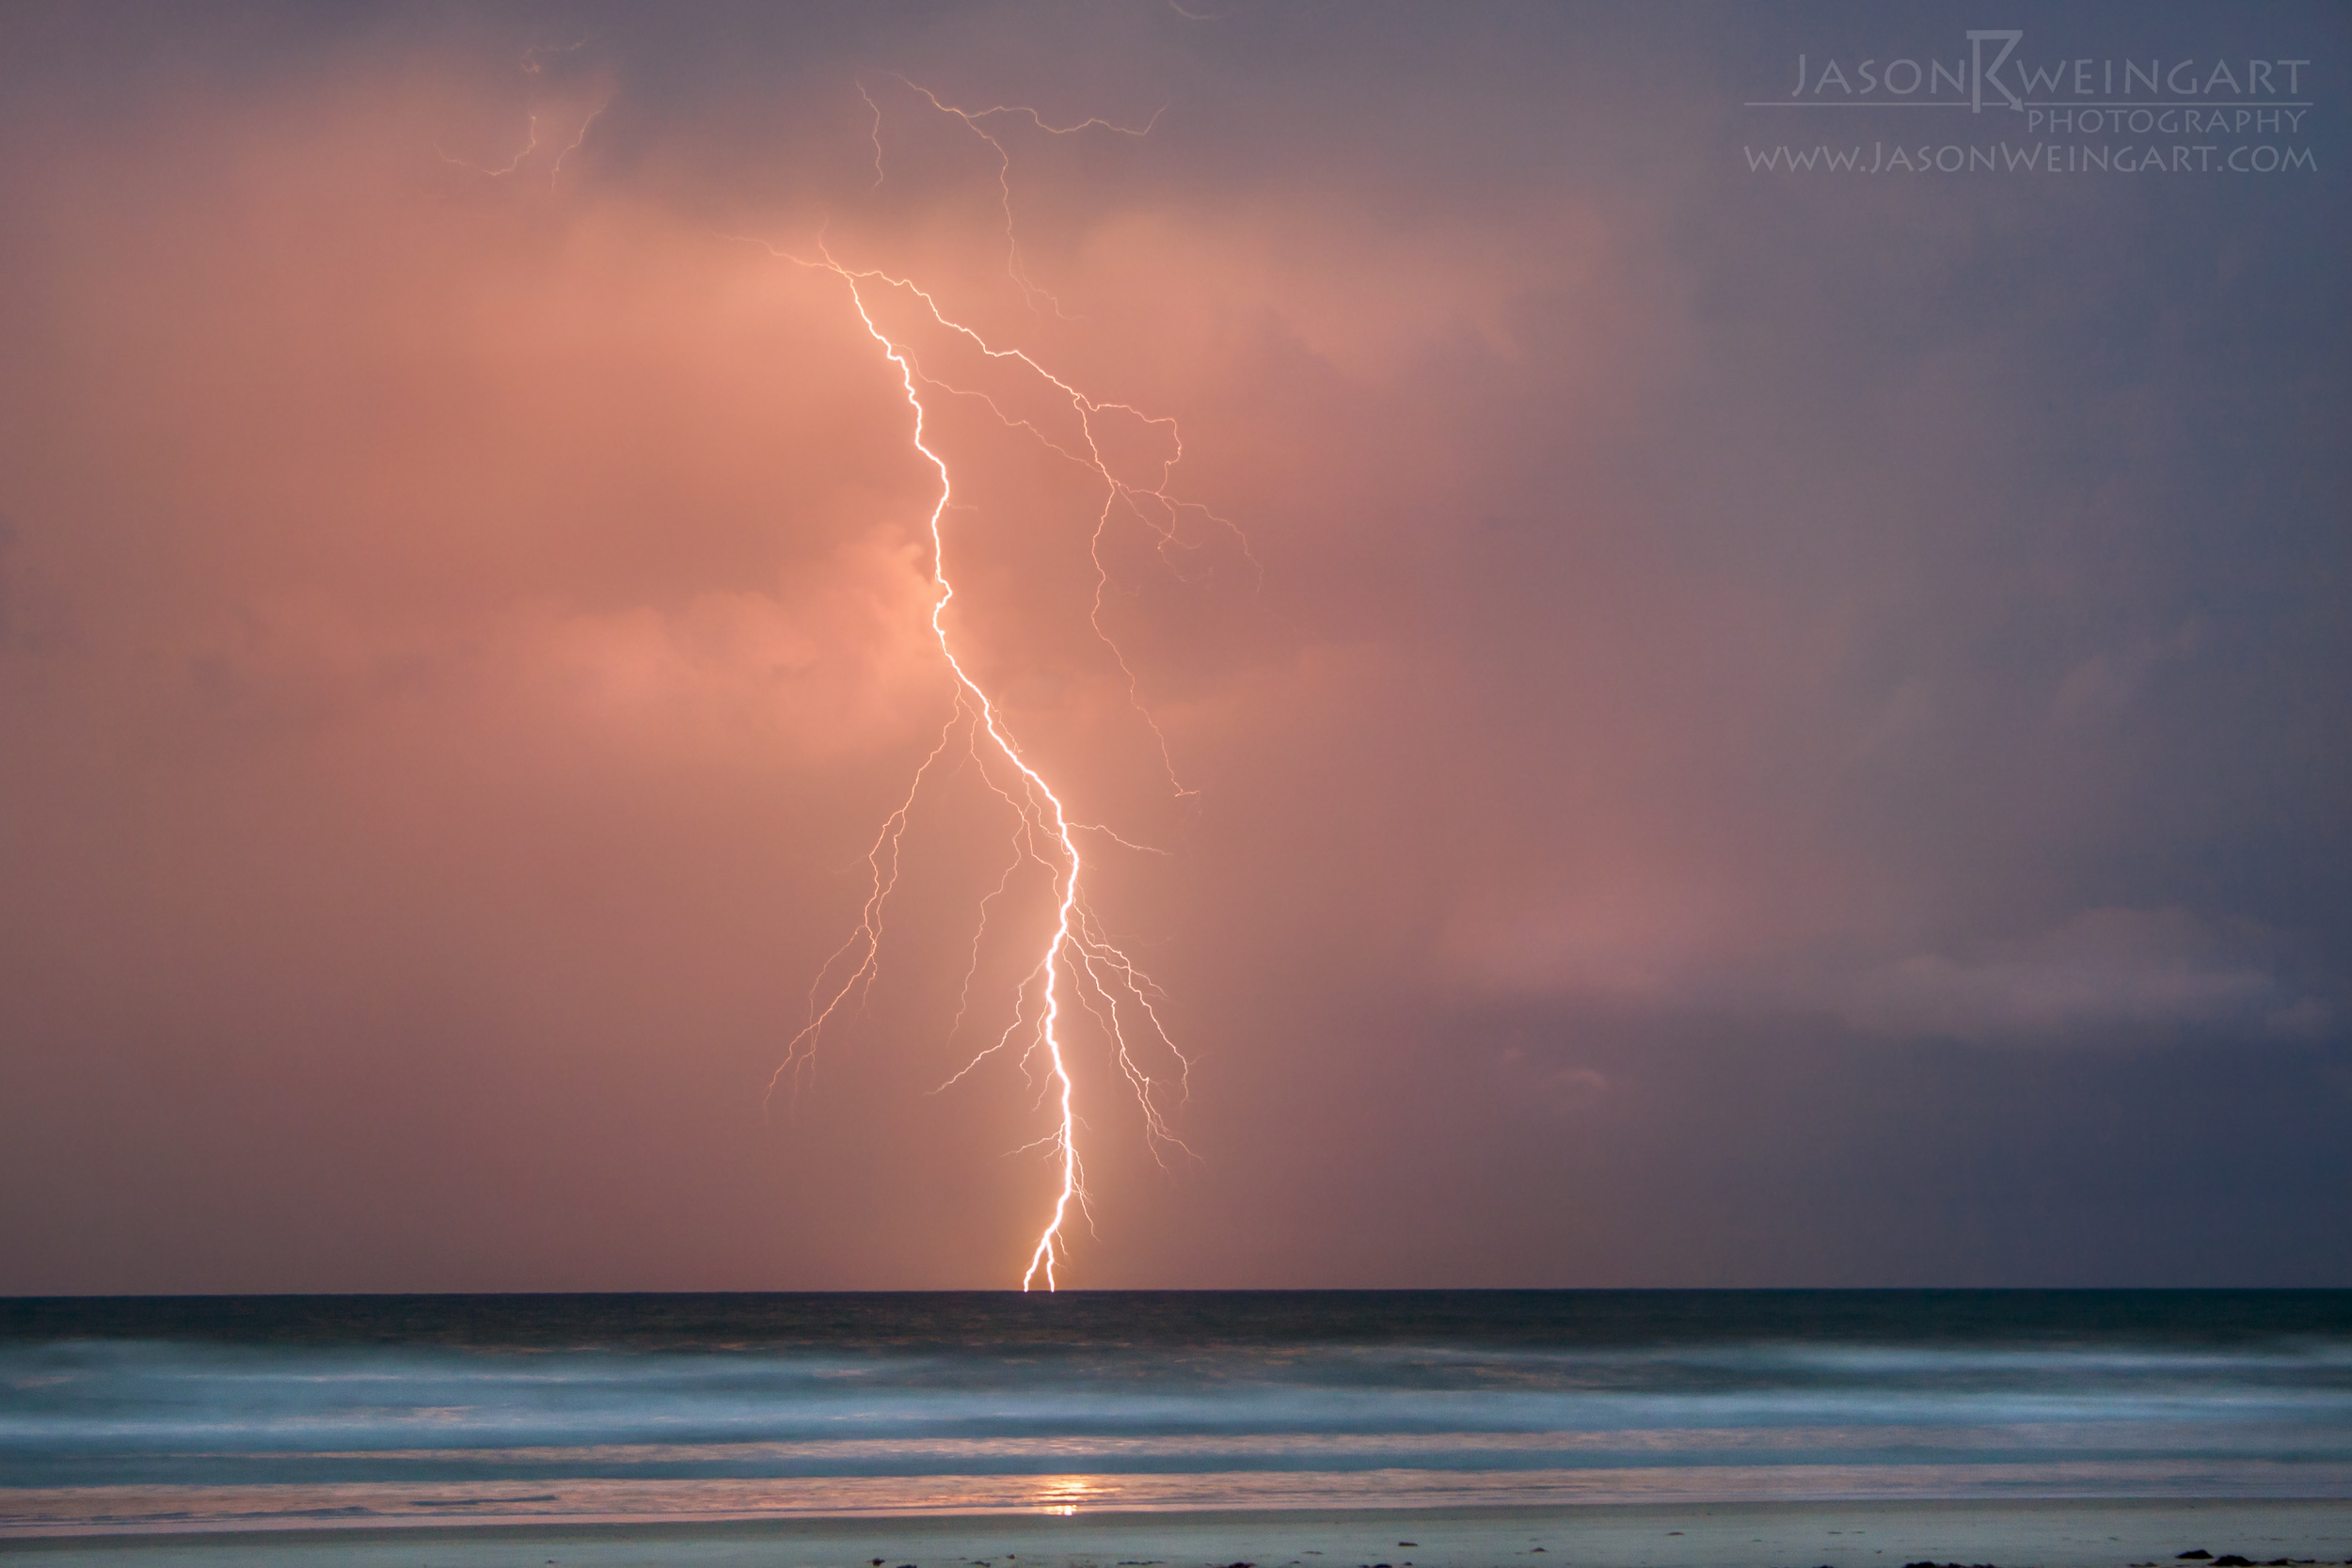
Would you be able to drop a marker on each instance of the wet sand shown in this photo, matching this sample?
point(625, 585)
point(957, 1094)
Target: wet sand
point(2035, 1534)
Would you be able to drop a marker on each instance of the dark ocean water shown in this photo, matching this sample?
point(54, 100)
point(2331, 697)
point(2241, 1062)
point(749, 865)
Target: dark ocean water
point(232, 1412)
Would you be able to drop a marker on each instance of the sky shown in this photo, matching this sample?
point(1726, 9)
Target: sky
point(1701, 721)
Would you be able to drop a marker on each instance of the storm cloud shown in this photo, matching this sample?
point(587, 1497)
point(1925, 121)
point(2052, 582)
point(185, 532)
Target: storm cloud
point(1758, 726)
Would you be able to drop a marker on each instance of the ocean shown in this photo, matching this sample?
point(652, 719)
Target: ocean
point(258, 1412)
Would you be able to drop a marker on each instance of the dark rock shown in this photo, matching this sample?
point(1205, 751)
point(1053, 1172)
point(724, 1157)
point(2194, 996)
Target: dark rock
point(2199, 1555)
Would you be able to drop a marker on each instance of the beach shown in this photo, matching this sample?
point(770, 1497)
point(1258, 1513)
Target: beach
point(2041, 1533)
point(1183, 1429)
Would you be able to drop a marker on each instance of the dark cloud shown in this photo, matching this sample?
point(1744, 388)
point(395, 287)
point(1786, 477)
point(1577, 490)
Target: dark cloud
point(1772, 728)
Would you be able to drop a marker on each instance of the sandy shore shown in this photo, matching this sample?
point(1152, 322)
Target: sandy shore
point(1751, 1535)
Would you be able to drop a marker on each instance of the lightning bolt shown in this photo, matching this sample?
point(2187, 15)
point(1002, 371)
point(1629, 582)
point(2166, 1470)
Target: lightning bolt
point(511, 165)
point(531, 145)
point(976, 121)
point(1079, 966)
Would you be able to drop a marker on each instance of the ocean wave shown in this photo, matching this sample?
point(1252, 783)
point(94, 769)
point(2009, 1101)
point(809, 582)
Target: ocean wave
point(217, 1412)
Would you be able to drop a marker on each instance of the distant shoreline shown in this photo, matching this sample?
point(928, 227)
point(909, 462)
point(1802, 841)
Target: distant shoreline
point(2038, 1533)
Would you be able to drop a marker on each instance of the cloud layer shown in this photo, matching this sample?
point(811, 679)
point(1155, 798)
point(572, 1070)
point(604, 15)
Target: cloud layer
point(1716, 689)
